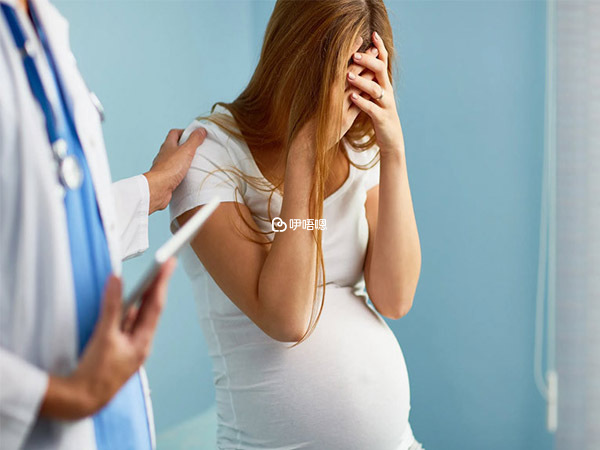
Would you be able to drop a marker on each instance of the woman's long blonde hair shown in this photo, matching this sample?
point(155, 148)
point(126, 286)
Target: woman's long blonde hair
point(300, 76)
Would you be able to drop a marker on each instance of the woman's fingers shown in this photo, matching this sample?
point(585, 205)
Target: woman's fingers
point(383, 53)
point(348, 103)
point(367, 86)
point(375, 65)
point(376, 61)
point(367, 75)
point(366, 105)
point(357, 69)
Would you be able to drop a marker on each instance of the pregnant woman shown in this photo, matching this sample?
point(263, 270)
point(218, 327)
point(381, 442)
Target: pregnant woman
point(310, 167)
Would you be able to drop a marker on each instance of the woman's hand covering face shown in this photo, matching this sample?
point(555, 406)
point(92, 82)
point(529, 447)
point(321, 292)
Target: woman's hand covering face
point(351, 110)
point(376, 96)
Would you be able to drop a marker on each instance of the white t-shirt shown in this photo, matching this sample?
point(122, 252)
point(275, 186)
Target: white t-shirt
point(345, 387)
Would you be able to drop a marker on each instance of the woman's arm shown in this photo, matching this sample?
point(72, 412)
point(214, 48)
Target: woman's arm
point(273, 284)
point(393, 260)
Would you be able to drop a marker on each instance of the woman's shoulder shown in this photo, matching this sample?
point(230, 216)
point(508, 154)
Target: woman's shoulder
point(212, 173)
point(218, 146)
point(214, 133)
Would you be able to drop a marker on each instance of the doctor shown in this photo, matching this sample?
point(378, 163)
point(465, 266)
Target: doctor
point(70, 375)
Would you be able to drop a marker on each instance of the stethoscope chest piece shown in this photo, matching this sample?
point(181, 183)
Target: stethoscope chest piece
point(69, 169)
point(71, 175)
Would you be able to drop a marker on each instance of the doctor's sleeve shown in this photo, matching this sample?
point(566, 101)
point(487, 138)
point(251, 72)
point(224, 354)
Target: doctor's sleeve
point(132, 203)
point(22, 389)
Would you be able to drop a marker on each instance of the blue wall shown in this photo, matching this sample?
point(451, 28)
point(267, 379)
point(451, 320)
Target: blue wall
point(470, 97)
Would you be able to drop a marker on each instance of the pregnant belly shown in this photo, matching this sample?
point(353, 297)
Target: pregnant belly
point(345, 387)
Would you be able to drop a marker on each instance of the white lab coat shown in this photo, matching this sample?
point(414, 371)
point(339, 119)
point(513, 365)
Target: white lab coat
point(38, 329)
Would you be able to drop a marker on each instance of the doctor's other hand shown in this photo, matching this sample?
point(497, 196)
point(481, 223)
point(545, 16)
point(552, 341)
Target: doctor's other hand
point(170, 166)
point(112, 355)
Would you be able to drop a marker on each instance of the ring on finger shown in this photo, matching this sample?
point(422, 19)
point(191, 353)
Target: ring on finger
point(381, 96)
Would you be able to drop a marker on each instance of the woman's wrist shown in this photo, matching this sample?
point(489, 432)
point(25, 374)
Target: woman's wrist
point(393, 160)
point(392, 151)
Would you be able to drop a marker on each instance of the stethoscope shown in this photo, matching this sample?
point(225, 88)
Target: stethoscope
point(70, 172)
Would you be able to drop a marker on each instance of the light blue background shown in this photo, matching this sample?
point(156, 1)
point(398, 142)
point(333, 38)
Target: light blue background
point(470, 97)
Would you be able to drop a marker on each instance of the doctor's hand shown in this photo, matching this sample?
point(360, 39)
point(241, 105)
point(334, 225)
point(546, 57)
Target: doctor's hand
point(170, 166)
point(113, 354)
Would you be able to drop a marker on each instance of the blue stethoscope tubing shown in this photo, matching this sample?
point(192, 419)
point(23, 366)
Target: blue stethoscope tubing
point(69, 169)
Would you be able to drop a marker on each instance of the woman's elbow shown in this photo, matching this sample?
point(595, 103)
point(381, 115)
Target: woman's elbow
point(394, 306)
point(401, 308)
point(285, 325)
point(286, 333)
point(394, 299)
